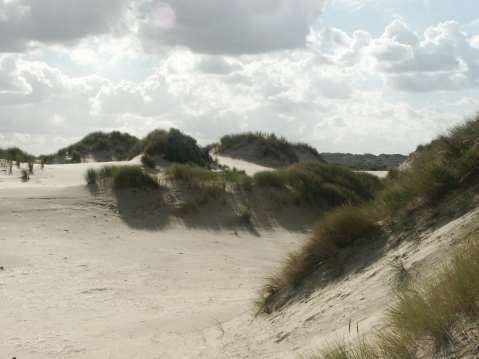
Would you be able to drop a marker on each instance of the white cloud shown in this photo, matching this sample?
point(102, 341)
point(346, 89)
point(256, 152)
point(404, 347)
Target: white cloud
point(260, 65)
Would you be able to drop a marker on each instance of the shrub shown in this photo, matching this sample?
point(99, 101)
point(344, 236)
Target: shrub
point(25, 177)
point(270, 179)
point(174, 146)
point(133, 177)
point(245, 215)
point(122, 177)
point(148, 162)
point(91, 177)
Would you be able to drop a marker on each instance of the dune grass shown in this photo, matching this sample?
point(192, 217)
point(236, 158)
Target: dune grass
point(426, 312)
point(121, 177)
point(321, 185)
point(447, 165)
point(337, 229)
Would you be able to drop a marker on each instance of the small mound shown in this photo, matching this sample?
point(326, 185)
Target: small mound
point(15, 154)
point(266, 149)
point(97, 146)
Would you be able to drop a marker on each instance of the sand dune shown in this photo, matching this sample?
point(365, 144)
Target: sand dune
point(80, 282)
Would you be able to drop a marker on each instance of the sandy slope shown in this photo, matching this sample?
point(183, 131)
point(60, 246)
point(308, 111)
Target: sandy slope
point(79, 282)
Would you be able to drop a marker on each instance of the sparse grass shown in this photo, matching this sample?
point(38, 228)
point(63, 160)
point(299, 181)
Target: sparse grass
point(198, 177)
point(401, 278)
point(121, 177)
point(426, 312)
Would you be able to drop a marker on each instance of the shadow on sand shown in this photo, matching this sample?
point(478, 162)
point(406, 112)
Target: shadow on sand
point(158, 209)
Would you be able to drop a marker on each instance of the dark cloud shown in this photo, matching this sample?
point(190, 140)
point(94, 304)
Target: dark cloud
point(56, 21)
point(227, 26)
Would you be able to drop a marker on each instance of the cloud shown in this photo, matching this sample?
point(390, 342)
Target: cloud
point(444, 58)
point(227, 27)
point(24, 22)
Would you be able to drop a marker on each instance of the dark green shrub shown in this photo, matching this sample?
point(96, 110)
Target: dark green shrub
point(270, 179)
point(148, 162)
point(91, 177)
point(25, 177)
point(173, 146)
point(133, 177)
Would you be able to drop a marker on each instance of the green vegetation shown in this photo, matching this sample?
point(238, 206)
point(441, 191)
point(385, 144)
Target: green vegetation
point(15, 154)
point(264, 148)
point(121, 176)
point(337, 229)
point(321, 185)
point(100, 146)
point(245, 215)
point(148, 162)
point(25, 177)
point(173, 146)
point(427, 312)
point(91, 177)
point(365, 162)
point(446, 167)
point(196, 177)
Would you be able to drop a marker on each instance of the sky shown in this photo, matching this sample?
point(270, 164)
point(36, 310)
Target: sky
point(360, 76)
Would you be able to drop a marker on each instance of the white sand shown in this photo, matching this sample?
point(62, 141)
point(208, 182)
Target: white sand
point(248, 167)
point(80, 283)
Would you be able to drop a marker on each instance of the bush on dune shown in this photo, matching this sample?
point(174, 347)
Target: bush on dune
point(122, 177)
point(133, 177)
point(173, 146)
point(148, 162)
